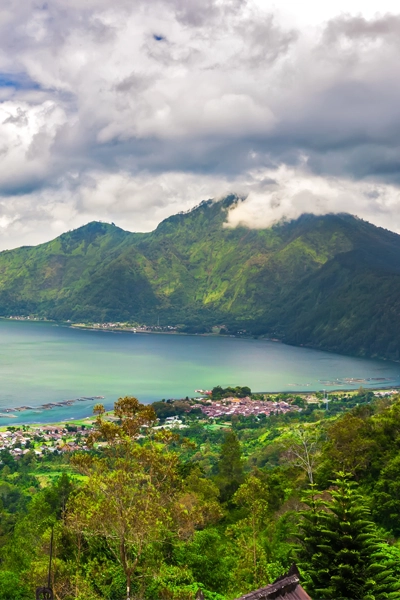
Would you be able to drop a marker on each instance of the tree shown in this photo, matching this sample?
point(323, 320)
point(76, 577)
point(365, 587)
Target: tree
point(134, 495)
point(252, 496)
point(350, 444)
point(209, 559)
point(197, 505)
point(129, 488)
point(127, 504)
point(132, 417)
point(244, 391)
point(217, 392)
point(340, 550)
point(56, 495)
point(303, 447)
point(386, 497)
point(229, 467)
point(12, 588)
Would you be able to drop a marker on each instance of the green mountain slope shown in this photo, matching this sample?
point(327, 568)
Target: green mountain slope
point(331, 282)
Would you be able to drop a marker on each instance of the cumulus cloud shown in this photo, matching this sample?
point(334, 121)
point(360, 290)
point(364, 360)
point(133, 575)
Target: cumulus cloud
point(134, 203)
point(130, 111)
point(293, 192)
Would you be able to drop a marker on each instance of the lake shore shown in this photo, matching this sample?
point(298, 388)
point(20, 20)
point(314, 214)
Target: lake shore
point(308, 397)
point(52, 368)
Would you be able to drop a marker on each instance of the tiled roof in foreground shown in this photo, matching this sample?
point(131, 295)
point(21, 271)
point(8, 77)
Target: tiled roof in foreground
point(286, 588)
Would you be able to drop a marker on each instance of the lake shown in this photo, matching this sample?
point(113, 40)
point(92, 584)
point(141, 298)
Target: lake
point(44, 363)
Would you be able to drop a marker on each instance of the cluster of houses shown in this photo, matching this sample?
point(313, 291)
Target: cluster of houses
point(172, 423)
point(41, 440)
point(127, 327)
point(106, 325)
point(244, 407)
point(159, 328)
point(45, 439)
point(385, 393)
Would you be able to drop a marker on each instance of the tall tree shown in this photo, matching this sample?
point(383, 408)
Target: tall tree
point(386, 497)
point(350, 444)
point(303, 447)
point(134, 494)
point(127, 503)
point(340, 550)
point(230, 467)
point(252, 567)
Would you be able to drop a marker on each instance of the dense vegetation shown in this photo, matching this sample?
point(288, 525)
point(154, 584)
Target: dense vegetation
point(219, 392)
point(331, 282)
point(225, 509)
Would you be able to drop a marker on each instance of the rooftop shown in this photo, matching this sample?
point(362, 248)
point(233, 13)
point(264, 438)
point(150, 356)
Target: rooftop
point(286, 587)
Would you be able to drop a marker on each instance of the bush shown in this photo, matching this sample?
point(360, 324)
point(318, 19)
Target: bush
point(11, 587)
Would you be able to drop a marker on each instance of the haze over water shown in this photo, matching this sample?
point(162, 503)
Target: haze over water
point(45, 362)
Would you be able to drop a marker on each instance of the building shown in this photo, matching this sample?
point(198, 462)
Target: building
point(286, 587)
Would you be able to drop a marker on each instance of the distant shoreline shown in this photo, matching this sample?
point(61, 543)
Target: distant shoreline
point(26, 412)
point(245, 336)
point(137, 329)
point(10, 413)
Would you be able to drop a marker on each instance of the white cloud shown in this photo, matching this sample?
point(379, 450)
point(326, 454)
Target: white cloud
point(286, 193)
point(130, 111)
point(28, 135)
point(134, 203)
point(139, 203)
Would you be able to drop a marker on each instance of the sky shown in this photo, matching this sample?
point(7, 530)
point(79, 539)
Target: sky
point(128, 111)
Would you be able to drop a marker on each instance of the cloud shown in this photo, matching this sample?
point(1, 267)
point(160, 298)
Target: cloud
point(28, 136)
point(293, 192)
point(131, 111)
point(135, 203)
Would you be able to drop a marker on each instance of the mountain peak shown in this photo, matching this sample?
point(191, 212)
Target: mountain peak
point(95, 228)
point(208, 214)
point(330, 281)
point(90, 232)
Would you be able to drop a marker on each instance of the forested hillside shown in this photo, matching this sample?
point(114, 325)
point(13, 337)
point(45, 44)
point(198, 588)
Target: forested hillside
point(226, 508)
point(331, 282)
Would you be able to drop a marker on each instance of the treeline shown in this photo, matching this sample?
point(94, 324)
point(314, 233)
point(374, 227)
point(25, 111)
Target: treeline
point(225, 510)
point(218, 392)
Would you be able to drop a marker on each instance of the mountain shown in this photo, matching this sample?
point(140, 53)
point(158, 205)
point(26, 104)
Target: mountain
point(330, 282)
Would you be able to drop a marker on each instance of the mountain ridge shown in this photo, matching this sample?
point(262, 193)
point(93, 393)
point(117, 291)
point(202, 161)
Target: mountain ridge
point(328, 281)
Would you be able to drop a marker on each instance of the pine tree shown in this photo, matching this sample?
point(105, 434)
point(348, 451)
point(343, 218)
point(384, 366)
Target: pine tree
point(340, 551)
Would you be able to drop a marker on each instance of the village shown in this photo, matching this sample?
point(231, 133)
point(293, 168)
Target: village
point(244, 407)
point(127, 327)
point(43, 439)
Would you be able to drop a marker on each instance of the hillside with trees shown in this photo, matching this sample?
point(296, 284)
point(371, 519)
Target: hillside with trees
point(225, 508)
point(330, 282)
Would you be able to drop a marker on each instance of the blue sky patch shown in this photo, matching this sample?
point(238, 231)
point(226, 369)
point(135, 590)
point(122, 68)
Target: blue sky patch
point(19, 81)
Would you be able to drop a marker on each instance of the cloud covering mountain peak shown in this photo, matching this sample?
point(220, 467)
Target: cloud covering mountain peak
point(130, 112)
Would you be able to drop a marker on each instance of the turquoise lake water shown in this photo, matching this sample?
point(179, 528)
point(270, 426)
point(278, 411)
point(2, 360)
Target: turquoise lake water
point(45, 362)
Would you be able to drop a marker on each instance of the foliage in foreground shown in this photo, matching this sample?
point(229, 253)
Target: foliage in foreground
point(225, 510)
point(341, 551)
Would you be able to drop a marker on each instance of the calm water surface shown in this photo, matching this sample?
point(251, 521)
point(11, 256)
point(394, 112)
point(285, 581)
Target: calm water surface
point(44, 362)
